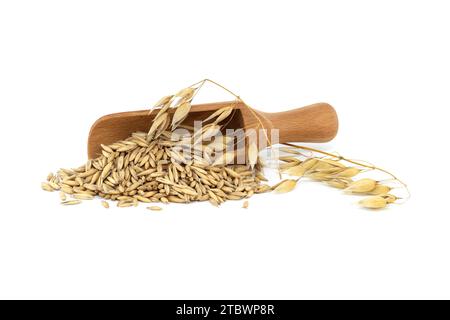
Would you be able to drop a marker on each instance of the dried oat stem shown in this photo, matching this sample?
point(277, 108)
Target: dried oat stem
point(358, 163)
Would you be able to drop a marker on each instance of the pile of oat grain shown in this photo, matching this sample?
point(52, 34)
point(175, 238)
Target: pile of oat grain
point(155, 167)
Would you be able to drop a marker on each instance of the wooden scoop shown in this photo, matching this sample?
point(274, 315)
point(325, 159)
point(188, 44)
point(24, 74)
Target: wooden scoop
point(314, 123)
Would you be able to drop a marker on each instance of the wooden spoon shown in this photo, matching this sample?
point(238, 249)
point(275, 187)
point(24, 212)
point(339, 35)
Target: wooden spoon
point(314, 123)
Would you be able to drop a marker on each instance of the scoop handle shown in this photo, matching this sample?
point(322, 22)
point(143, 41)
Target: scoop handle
point(314, 123)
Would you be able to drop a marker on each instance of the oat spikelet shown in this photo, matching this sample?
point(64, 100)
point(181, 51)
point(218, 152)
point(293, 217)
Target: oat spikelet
point(362, 186)
point(180, 114)
point(156, 124)
point(337, 183)
point(220, 114)
point(162, 111)
point(348, 172)
point(309, 163)
point(390, 198)
point(374, 202)
point(245, 204)
point(285, 186)
point(297, 171)
point(105, 204)
point(380, 189)
point(163, 101)
point(186, 93)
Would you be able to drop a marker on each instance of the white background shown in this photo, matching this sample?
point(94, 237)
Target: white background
point(384, 65)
